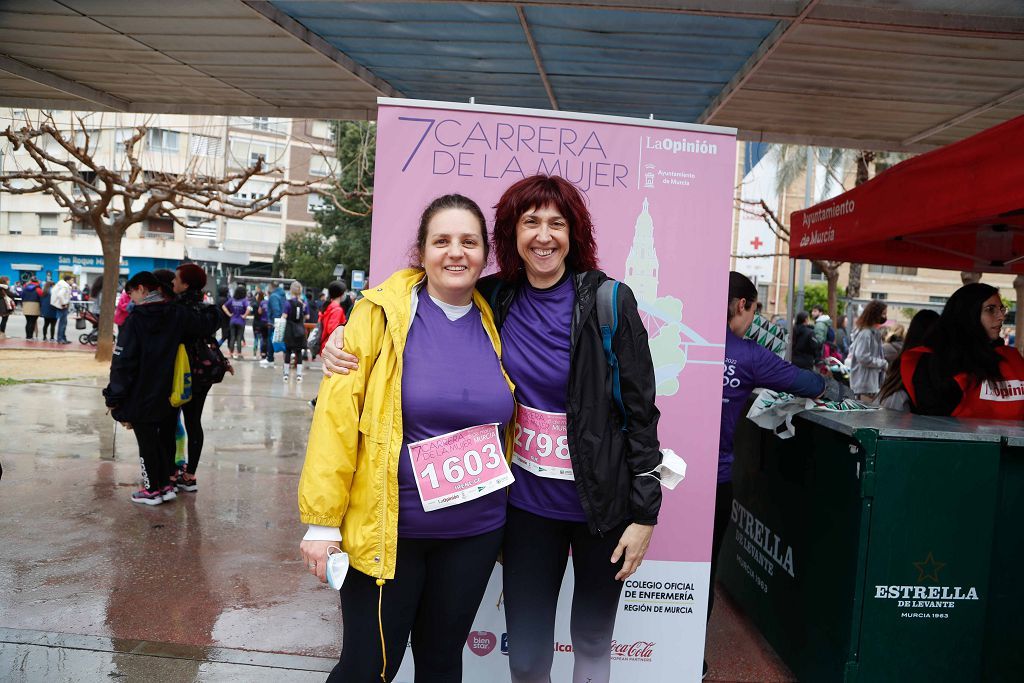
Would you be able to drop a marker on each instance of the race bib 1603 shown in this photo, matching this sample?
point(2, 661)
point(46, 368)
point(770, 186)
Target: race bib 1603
point(459, 466)
point(541, 444)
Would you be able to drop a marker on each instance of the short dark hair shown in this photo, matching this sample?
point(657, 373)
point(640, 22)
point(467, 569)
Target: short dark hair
point(239, 292)
point(802, 317)
point(144, 279)
point(817, 307)
point(443, 203)
point(740, 287)
point(536, 192)
point(336, 289)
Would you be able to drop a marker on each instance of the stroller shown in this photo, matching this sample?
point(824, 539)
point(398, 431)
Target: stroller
point(84, 316)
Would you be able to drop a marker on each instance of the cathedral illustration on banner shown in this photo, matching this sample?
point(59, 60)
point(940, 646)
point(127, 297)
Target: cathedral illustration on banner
point(670, 339)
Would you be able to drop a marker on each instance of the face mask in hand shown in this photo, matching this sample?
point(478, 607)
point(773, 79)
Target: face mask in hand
point(337, 567)
point(671, 471)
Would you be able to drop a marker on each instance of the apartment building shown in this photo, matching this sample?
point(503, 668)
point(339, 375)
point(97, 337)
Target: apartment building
point(37, 237)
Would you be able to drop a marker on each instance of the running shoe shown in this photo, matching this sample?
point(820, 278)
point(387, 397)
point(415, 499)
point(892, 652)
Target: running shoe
point(285, 377)
point(147, 497)
point(169, 492)
point(298, 378)
point(187, 482)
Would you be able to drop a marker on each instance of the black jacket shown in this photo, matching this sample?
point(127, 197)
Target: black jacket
point(606, 460)
point(142, 369)
point(806, 349)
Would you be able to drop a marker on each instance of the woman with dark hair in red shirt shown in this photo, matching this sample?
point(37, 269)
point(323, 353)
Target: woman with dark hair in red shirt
point(964, 370)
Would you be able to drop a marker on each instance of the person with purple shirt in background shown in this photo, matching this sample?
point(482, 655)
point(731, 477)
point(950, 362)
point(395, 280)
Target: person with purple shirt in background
point(586, 476)
point(405, 466)
point(748, 366)
point(236, 308)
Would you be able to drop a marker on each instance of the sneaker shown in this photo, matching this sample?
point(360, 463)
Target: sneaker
point(298, 378)
point(169, 492)
point(312, 404)
point(147, 497)
point(187, 482)
point(264, 363)
point(284, 377)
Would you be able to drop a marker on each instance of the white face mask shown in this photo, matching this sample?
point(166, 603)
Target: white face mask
point(671, 471)
point(337, 567)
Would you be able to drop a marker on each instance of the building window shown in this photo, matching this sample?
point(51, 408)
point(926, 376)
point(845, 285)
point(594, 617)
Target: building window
point(323, 130)
point(938, 299)
point(159, 227)
point(80, 228)
point(879, 296)
point(892, 270)
point(202, 227)
point(160, 140)
point(322, 166)
point(817, 273)
point(49, 224)
point(206, 146)
point(314, 202)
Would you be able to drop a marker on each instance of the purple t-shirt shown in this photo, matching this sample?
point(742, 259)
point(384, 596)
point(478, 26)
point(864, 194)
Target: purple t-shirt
point(747, 366)
point(451, 380)
point(238, 308)
point(535, 345)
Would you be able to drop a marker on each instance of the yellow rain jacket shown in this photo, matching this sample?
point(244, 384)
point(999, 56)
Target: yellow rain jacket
point(350, 477)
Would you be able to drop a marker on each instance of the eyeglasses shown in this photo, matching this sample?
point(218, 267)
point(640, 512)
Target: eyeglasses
point(992, 308)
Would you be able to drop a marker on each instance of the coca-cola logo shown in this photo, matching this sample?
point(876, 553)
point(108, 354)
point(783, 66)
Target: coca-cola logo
point(481, 643)
point(640, 650)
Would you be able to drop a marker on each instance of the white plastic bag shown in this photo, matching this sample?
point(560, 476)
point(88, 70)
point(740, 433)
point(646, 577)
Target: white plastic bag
point(773, 409)
point(279, 326)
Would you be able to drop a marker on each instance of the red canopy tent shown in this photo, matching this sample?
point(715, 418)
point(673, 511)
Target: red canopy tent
point(960, 207)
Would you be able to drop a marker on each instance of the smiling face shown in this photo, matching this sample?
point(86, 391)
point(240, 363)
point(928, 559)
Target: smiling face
point(453, 255)
point(992, 316)
point(542, 240)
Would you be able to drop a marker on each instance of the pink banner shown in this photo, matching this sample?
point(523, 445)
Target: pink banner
point(661, 199)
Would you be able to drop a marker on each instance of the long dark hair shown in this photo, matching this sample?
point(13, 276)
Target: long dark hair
point(97, 288)
point(920, 327)
point(959, 341)
point(873, 314)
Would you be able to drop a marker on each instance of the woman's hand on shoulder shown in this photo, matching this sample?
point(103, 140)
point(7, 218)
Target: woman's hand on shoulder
point(633, 545)
point(314, 555)
point(335, 359)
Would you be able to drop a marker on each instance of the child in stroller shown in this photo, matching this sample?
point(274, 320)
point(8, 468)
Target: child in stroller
point(84, 315)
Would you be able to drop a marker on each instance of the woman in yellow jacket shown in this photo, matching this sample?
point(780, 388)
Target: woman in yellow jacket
point(405, 465)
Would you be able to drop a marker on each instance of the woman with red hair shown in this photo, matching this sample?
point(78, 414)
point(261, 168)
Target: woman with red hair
point(188, 284)
point(579, 462)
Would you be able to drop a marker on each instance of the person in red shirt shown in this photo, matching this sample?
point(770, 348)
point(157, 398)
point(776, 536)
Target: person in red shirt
point(333, 315)
point(331, 318)
point(964, 370)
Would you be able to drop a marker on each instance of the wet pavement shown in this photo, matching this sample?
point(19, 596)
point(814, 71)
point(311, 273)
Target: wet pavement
point(209, 587)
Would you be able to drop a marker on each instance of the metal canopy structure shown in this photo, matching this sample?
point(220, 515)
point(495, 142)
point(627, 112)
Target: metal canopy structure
point(883, 74)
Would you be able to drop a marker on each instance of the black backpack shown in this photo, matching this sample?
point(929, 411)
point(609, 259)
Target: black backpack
point(208, 364)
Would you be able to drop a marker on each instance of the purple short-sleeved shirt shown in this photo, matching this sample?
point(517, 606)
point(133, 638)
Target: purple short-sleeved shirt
point(535, 345)
point(238, 308)
point(747, 366)
point(451, 379)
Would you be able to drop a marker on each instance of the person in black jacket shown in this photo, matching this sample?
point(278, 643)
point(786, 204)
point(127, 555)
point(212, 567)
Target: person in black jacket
point(806, 349)
point(188, 283)
point(141, 374)
point(589, 486)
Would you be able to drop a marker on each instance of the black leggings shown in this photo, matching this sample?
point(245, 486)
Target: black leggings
point(50, 324)
point(30, 326)
point(296, 353)
point(436, 591)
point(192, 414)
point(723, 508)
point(3, 324)
point(156, 450)
point(237, 337)
point(535, 553)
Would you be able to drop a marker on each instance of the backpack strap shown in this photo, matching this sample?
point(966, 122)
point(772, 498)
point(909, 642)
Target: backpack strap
point(608, 322)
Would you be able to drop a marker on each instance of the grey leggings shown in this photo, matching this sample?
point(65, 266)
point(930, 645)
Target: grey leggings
point(535, 553)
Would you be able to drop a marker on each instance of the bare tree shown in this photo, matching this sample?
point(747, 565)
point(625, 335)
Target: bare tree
point(830, 269)
point(112, 200)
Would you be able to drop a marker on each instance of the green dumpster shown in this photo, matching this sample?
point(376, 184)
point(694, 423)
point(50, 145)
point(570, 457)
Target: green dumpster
point(882, 546)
